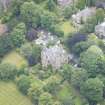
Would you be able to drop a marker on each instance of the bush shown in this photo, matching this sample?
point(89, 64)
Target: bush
point(35, 90)
point(30, 13)
point(48, 20)
point(52, 85)
point(23, 83)
point(93, 61)
point(69, 11)
point(92, 89)
point(18, 35)
point(5, 44)
point(57, 31)
point(7, 72)
point(81, 47)
point(78, 77)
point(75, 38)
point(51, 5)
point(31, 34)
point(81, 4)
point(32, 53)
point(45, 99)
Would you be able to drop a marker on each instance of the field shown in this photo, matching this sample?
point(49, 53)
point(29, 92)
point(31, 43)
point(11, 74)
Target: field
point(9, 95)
point(15, 59)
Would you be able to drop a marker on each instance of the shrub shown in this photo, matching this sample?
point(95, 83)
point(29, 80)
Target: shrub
point(23, 83)
point(7, 72)
point(18, 35)
point(5, 44)
point(75, 38)
point(32, 53)
point(92, 89)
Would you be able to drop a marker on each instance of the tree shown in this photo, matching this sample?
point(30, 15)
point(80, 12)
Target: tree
point(39, 1)
point(81, 4)
point(78, 77)
point(18, 35)
point(100, 15)
point(35, 90)
point(51, 5)
point(48, 20)
point(69, 11)
point(31, 34)
point(23, 83)
point(91, 2)
point(32, 53)
point(92, 89)
point(5, 44)
point(93, 61)
point(45, 99)
point(30, 13)
point(52, 84)
point(66, 72)
point(81, 47)
point(15, 6)
point(75, 38)
point(7, 72)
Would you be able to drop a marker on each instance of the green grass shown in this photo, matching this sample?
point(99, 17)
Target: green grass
point(15, 59)
point(9, 95)
point(102, 103)
point(67, 90)
point(67, 28)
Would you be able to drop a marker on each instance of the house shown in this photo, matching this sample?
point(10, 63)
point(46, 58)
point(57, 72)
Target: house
point(100, 30)
point(55, 56)
point(83, 15)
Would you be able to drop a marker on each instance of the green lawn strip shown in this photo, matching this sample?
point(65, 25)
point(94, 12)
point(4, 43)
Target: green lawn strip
point(67, 27)
point(10, 95)
point(15, 59)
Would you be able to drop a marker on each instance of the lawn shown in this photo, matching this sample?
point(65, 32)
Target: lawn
point(67, 91)
point(9, 95)
point(67, 28)
point(15, 59)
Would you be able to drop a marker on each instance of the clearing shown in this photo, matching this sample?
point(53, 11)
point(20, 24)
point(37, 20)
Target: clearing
point(15, 59)
point(67, 28)
point(10, 95)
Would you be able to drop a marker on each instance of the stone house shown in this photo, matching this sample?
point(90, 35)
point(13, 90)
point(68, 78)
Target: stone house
point(55, 56)
point(100, 30)
point(83, 15)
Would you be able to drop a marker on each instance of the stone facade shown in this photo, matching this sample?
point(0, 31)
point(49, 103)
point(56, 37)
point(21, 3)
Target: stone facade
point(55, 56)
point(64, 2)
point(100, 30)
point(5, 4)
point(82, 16)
